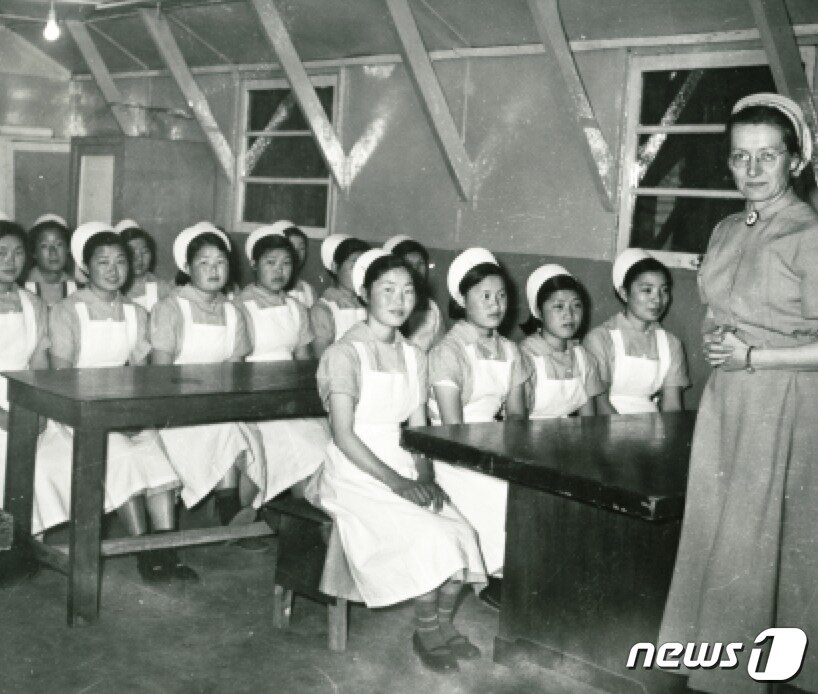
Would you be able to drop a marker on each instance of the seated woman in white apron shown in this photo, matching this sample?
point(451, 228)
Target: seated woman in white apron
point(144, 288)
point(425, 327)
point(401, 538)
point(23, 326)
point(642, 365)
point(339, 308)
point(97, 327)
point(300, 289)
point(197, 325)
point(49, 278)
point(279, 330)
point(565, 378)
point(474, 373)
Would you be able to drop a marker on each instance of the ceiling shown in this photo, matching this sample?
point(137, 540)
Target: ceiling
point(219, 32)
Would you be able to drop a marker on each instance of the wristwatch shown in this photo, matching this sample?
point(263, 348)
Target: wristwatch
point(748, 364)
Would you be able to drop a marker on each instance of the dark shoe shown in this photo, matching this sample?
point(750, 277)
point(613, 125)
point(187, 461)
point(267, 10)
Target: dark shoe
point(491, 595)
point(177, 569)
point(462, 648)
point(437, 659)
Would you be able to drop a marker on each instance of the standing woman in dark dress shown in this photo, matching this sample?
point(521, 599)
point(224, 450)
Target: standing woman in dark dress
point(748, 559)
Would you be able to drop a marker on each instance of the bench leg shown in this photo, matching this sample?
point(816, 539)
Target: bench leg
point(282, 607)
point(337, 615)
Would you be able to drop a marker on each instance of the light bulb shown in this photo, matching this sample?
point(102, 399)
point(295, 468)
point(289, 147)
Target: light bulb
point(52, 29)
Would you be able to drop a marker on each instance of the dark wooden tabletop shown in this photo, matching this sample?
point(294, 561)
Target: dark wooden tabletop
point(632, 464)
point(169, 395)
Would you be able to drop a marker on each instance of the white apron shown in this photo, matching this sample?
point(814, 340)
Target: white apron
point(18, 342)
point(303, 292)
point(636, 380)
point(480, 498)
point(293, 448)
point(559, 397)
point(395, 549)
point(202, 455)
point(132, 465)
point(149, 298)
point(344, 318)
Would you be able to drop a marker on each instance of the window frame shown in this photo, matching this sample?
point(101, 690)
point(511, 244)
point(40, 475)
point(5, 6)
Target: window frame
point(242, 179)
point(629, 189)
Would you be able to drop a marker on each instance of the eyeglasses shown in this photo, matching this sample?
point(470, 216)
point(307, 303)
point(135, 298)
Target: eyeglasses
point(765, 157)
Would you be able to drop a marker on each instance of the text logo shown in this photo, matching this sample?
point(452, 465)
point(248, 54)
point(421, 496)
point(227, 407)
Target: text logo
point(777, 655)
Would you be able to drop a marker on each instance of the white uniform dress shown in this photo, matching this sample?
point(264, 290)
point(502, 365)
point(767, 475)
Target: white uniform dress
point(201, 455)
point(335, 312)
point(636, 365)
point(135, 464)
point(480, 498)
point(562, 382)
point(304, 292)
point(20, 332)
point(293, 448)
point(395, 549)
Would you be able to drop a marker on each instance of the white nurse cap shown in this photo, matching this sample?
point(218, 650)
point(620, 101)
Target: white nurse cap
point(793, 113)
point(624, 262)
point(50, 217)
point(536, 280)
point(184, 237)
point(328, 247)
point(390, 244)
point(81, 236)
point(126, 224)
point(362, 265)
point(461, 265)
point(276, 229)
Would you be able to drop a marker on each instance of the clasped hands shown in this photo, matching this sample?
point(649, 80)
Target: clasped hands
point(724, 350)
point(423, 493)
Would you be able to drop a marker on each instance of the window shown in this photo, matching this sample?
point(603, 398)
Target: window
point(675, 183)
point(282, 174)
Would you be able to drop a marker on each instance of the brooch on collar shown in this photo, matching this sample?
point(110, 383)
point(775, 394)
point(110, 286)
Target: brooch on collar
point(752, 218)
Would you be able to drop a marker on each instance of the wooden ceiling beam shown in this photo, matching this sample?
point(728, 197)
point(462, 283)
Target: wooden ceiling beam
point(420, 69)
point(600, 160)
point(162, 36)
point(778, 39)
point(325, 136)
point(101, 74)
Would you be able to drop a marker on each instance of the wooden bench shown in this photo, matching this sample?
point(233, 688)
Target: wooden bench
point(304, 533)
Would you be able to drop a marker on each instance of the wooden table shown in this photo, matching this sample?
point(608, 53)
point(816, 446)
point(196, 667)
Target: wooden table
point(593, 521)
point(96, 401)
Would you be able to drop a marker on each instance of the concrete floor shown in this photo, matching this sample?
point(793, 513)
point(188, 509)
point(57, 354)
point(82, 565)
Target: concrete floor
point(218, 637)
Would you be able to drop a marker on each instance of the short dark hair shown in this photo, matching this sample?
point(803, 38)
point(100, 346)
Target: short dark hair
point(101, 240)
point(9, 228)
point(641, 267)
point(274, 242)
point(559, 283)
point(201, 241)
point(42, 227)
point(380, 266)
point(133, 233)
point(289, 232)
point(408, 246)
point(766, 115)
point(346, 248)
point(477, 274)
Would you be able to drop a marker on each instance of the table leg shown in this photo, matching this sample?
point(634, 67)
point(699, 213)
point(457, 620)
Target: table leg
point(20, 454)
point(84, 543)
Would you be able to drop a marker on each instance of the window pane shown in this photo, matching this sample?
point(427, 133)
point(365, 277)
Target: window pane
point(678, 224)
point(306, 205)
point(686, 161)
point(704, 96)
point(266, 103)
point(285, 157)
